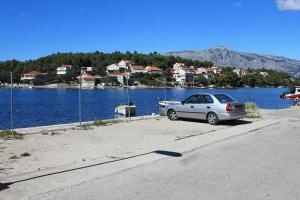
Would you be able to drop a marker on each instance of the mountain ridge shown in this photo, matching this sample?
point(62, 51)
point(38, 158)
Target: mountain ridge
point(223, 57)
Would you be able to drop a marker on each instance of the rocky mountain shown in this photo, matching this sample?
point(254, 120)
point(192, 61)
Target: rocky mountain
point(223, 57)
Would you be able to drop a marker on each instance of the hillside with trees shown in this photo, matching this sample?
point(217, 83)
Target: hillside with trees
point(101, 60)
point(97, 59)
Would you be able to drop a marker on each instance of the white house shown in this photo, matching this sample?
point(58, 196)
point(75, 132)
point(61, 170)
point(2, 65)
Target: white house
point(112, 68)
point(178, 65)
point(87, 81)
point(120, 76)
point(32, 75)
point(183, 75)
point(64, 70)
point(240, 72)
point(264, 74)
point(201, 70)
point(214, 70)
point(154, 70)
point(125, 64)
point(138, 69)
point(88, 70)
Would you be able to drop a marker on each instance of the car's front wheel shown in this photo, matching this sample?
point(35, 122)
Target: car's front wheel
point(172, 115)
point(212, 118)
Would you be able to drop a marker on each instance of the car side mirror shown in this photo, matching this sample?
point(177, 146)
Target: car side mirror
point(182, 102)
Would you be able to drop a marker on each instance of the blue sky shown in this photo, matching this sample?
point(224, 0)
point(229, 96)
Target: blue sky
point(34, 28)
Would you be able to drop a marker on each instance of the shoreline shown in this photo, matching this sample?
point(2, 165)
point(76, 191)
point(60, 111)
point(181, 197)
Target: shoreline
point(75, 125)
point(144, 111)
point(137, 87)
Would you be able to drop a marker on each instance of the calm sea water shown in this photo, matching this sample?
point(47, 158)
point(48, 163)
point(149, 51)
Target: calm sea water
point(37, 107)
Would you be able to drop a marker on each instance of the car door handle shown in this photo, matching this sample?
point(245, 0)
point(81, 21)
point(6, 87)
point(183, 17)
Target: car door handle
point(208, 107)
point(192, 106)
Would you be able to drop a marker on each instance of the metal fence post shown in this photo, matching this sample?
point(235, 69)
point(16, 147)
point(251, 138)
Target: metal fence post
point(79, 100)
point(128, 98)
point(11, 104)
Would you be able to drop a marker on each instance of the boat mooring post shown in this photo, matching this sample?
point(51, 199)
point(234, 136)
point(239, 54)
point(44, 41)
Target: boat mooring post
point(79, 100)
point(11, 104)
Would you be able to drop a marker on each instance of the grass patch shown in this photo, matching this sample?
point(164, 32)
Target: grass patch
point(100, 123)
point(7, 134)
point(86, 127)
point(25, 154)
point(54, 133)
point(106, 123)
point(14, 157)
point(252, 110)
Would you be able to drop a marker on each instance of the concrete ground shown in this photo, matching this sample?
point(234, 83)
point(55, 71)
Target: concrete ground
point(258, 159)
point(58, 148)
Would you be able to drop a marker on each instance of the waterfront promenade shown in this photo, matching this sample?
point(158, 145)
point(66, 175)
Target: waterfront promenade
point(125, 160)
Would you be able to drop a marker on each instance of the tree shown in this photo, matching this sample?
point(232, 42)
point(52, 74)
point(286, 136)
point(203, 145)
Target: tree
point(200, 80)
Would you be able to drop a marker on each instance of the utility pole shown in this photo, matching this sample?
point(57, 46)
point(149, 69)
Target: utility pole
point(11, 104)
point(79, 100)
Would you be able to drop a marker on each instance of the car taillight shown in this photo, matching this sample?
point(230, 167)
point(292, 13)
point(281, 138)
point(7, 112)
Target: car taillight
point(228, 107)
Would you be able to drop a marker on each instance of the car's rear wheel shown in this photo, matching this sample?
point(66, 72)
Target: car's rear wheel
point(172, 115)
point(212, 118)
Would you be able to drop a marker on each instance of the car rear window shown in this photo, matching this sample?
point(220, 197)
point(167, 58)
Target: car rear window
point(223, 98)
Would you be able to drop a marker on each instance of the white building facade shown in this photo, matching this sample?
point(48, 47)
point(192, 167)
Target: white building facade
point(64, 70)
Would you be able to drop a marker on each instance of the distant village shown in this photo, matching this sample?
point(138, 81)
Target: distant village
point(182, 75)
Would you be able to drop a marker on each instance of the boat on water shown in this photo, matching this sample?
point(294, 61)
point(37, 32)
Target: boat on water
point(126, 110)
point(293, 93)
point(133, 87)
point(163, 104)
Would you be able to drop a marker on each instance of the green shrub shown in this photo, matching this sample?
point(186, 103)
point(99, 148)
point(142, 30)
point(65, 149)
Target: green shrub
point(86, 127)
point(252, 110)
point(25, 154)
point(14, 157)
point(100, 123)
point(7, 134)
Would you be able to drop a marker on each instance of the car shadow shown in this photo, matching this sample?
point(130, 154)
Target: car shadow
point(226, 123)
point(4, 186)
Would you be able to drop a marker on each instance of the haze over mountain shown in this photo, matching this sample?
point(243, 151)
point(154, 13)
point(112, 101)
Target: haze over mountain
point(223, 57)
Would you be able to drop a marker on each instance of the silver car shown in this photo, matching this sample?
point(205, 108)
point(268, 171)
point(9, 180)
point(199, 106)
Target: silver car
point(210, 107)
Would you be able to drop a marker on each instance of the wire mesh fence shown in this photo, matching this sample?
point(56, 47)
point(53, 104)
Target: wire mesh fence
point(22, 106)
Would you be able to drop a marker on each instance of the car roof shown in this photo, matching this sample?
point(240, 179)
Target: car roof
point(202, 94)
point(209, 94)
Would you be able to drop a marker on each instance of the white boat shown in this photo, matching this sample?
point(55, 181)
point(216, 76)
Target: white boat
point(292, 93)
point(132, 87)
point(126, 110)
point(101, 86)
point(163, 104)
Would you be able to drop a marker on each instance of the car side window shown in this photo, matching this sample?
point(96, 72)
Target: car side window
point(207, 99)
point(201, 99)
point(204, 99)
point(191, 99)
